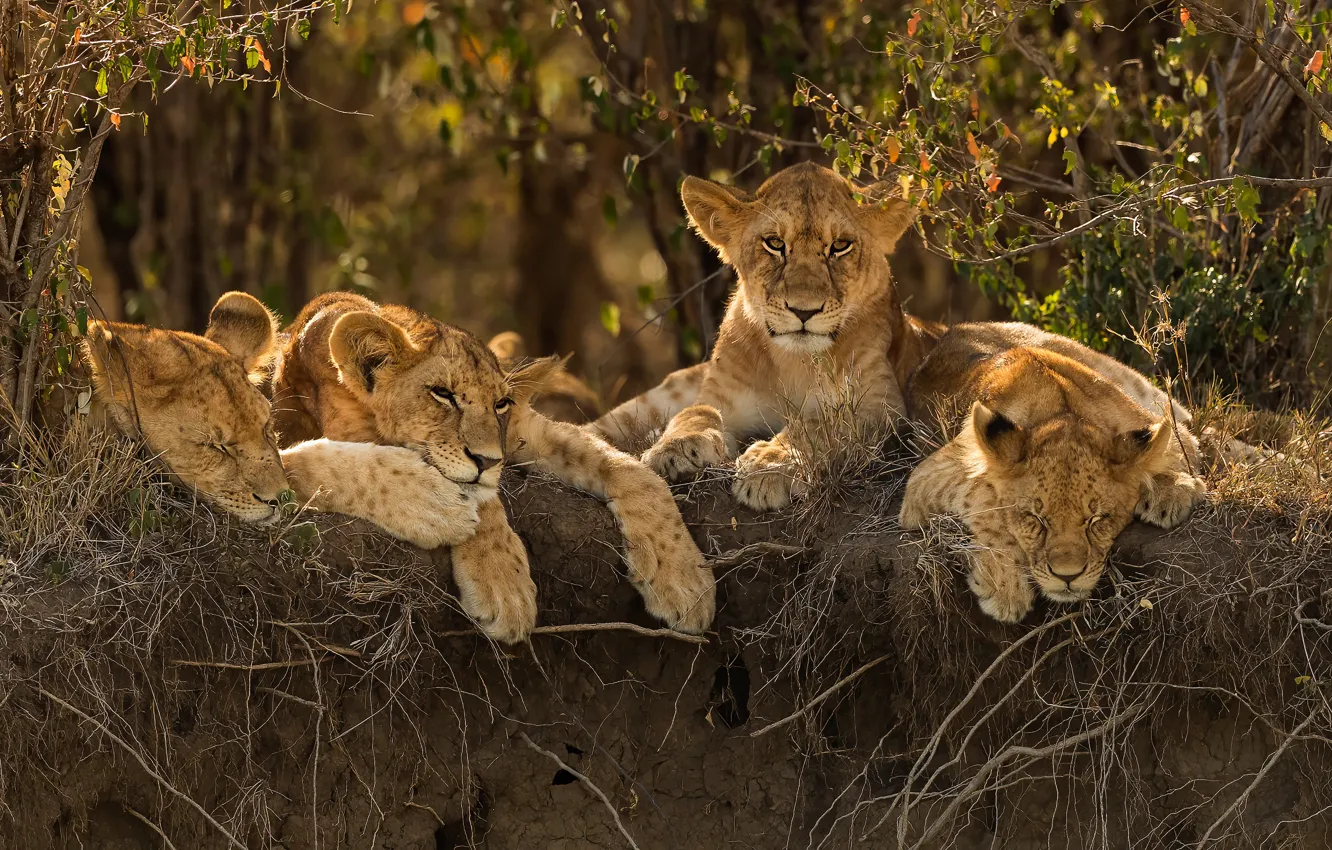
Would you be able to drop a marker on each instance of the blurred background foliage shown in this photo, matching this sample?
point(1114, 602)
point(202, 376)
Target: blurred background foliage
point(514, 165)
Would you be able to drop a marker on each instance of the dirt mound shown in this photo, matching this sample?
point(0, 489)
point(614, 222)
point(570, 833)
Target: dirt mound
point(173, 680)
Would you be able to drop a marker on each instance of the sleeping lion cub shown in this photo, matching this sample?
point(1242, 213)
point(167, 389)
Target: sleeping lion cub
point(1057, 449)
point(355, 370)
point(194, 402)
point(815, 318)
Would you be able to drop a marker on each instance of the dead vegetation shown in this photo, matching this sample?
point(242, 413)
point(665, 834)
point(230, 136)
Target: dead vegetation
point(173, 677)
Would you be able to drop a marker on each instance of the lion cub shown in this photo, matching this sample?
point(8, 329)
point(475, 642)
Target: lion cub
point(194, 401)
point(815, 318)
point(354, 370)
point(1057, 449)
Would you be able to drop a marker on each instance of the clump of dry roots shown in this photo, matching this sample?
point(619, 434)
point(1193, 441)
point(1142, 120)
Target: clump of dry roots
point(1186, 705)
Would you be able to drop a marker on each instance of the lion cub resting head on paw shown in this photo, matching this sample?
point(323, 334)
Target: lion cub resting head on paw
point(1054, 456)
point(194, 401)
point(354, 370)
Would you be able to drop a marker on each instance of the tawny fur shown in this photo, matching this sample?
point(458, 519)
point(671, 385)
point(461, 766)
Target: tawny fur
point(815, 313)
point(564, 397)
point(353, 370)
point(1056, 449)
point(195, 403)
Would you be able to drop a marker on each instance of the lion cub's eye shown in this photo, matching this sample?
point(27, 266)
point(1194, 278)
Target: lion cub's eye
point(774, 245)
point(443, 396)
point(840, 247)
point(503, 406)
point(222, 447)
point(1035, 520)
point(1095, 519)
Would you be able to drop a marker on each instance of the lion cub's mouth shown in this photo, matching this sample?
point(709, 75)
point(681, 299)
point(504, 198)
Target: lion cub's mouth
point(802, 339)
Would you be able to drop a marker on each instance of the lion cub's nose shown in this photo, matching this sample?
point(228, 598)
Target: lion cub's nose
point(805, 315)
point(482, 462)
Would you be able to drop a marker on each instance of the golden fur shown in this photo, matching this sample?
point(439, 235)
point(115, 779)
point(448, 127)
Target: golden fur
point(194, 401)
point(815, 313)
point(563, 397)
point(1057, 449)
point(353, 370)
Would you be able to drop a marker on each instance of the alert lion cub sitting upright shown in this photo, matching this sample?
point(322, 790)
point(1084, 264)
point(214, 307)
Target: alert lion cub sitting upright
point(815, 318)
point(354, 370)
point(1057, 449)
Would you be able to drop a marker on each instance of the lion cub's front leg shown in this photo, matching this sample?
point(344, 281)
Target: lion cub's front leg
point(768, 474)
point(390, 486)
point(665, 565)
point(1000, 583)
point(493, 577)
point(693, 441)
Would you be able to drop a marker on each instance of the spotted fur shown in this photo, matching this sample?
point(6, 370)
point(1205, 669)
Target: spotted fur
point(195, 403)
point(1056, 449)
point(353, 370)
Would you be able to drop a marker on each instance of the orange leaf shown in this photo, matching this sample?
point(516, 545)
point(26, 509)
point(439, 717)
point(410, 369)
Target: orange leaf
point(1315, 63)
point(894, 148)
point(972, 147)
point(187, 62)
point(992, 182)
point(263, 60)
point(115, 119)
point(414, 13)
point(78, 36)
point(924, 162)
point(975, 105)
point(1184, 15)
point(912, 24)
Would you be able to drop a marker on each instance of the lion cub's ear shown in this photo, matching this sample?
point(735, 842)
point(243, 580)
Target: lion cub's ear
point(109, 359)
point(361, 344)
point(242, 325)
point(886, 215)
point(507, 346)
point(999, 437)
point(533, 376)
point(717, 211)
point(1146, 449)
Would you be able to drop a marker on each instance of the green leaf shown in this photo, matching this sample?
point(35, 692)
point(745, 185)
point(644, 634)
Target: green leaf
point(100, 86)
point(985, 43)
point(645, 296)
point(1070, 162)
point(608, 210)
point(610, 317)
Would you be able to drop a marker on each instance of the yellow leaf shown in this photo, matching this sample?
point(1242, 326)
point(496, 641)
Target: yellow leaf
point(1326, 131)
point(1146, 603)
point(904, 180)
point(1063, 132)
point(1054, 134)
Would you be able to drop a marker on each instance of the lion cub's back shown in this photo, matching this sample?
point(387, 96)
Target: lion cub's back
point(1030, 375)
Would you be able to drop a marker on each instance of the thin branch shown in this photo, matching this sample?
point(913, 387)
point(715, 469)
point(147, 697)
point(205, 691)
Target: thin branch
point(161, 780)
point(149, 823)
point(1257, 779)
point(745, 554)
point(574, 628)
point(588, 782)
point(227, 665)
point(814, 703)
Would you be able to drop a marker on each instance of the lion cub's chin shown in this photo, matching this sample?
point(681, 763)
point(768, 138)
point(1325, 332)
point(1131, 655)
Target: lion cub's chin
point(803, 342)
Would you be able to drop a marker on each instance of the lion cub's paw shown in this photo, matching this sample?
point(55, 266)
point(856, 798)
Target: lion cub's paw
point(1001, 586)
point(913, 514)
point(424, 507)
point(495, 586)
point(1170, 500)
point(682, 456)
point(767, 476)
point(665, 566)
